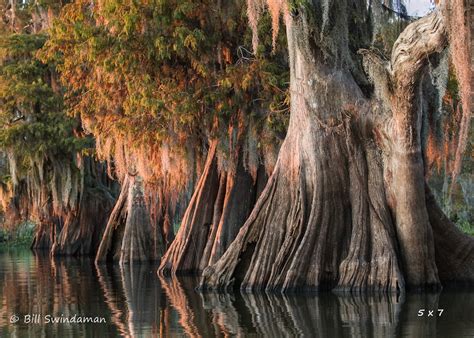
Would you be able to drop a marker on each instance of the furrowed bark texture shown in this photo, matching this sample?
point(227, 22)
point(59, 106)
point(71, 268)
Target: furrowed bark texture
point(83, 226)
point(128, 236)
point(345, 207)
point(405, 168)
point(218, 208)
point(44, 235)
point(72, 210)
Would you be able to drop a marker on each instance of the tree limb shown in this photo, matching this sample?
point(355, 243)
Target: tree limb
point(409, 56)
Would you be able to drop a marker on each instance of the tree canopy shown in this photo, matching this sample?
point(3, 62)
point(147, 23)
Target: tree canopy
point(162, 77)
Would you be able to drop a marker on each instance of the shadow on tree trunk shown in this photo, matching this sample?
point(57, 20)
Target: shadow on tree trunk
point(221, 202)
point(131, 235)
point(346, 208)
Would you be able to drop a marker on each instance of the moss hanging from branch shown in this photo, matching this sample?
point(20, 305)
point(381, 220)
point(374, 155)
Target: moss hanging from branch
point(255, 10)
point(460, 41)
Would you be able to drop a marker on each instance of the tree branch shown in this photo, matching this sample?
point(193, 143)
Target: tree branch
point(409, 56)
point(411, 50)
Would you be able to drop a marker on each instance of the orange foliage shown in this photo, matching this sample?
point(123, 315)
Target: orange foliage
point(255, 9)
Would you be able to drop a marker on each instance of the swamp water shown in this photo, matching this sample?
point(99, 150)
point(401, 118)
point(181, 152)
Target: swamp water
point(40, 295)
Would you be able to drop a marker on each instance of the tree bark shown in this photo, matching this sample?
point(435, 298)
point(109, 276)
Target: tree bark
point(44, 236)
point(85, 223)
point(71, 207)
point(405, 171)
point(128, 234)
point(218, 208)
point(347, 193)
point(82, 230)
point(185, 252)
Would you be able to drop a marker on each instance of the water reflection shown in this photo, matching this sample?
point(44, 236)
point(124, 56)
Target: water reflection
point(134, 298)
point(38, 285)
point(136, 303)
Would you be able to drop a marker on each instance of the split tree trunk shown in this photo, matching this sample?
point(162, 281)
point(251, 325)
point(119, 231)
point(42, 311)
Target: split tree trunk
point(130, 234)
point(345, 207)
point(218, 208)
point(405, 167)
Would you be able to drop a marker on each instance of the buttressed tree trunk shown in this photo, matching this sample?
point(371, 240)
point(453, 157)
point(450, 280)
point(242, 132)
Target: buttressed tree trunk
point(44, 237)
point(218, 208)
point(68, 200)
point(69, 203)
point(84, 224)
point(130, 234)
point(345, 207)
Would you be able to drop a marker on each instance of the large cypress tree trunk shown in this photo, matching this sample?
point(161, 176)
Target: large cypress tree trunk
point(44, 237)
point(70, 204)
point(85, 223)
point(345, 207)
point(83, 228)
point(218, 208)
point(130, 234)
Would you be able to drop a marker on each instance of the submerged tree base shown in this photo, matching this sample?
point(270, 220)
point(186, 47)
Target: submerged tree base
point(218, 208)
point(346, 207)
point(327, 192)
point(75, 228)
point(130, 235)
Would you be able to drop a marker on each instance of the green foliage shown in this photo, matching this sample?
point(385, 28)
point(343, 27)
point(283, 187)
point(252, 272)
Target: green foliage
point(164, 71)
point(466, 227)
point(20, 236)
point(31, 115)
point(39, 143)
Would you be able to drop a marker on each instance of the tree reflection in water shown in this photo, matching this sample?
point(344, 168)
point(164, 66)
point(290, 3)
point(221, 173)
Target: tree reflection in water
point(136, 303)
point(319, 315)
point(135, 300)
point(40, 285)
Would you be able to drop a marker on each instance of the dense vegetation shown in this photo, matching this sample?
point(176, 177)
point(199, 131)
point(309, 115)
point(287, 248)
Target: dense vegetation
point(161, 130)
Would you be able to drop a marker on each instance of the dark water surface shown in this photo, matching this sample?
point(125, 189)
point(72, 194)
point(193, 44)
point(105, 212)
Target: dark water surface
point(133, 302)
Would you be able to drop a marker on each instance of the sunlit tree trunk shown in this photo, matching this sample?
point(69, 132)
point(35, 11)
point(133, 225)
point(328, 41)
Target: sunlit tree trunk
point(346, 205)
point(221, 202)
point(131, 235)
point(84, 224)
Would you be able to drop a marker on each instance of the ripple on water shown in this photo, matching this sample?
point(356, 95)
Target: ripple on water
point(136, 303)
